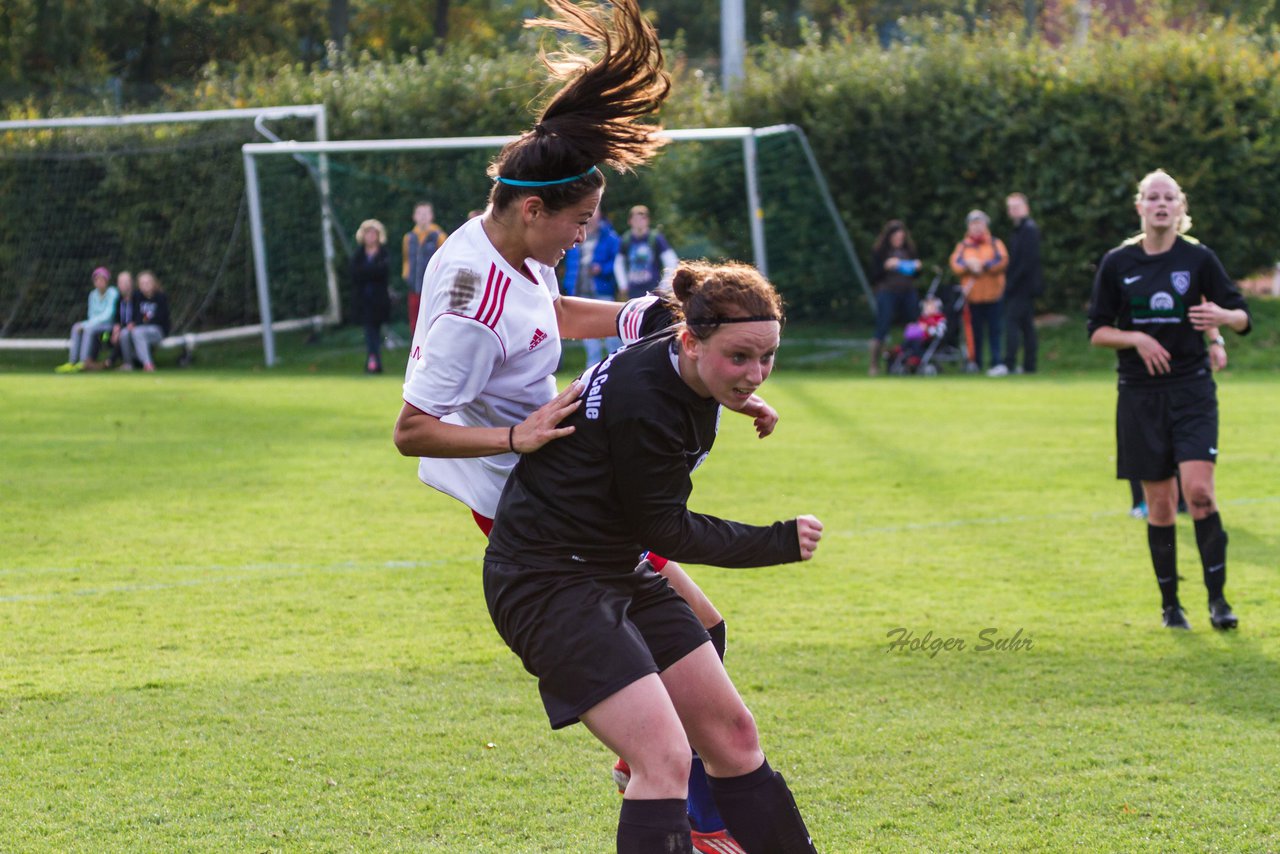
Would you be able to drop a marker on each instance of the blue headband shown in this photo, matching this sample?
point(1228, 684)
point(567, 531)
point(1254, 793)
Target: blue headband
point(512, 182)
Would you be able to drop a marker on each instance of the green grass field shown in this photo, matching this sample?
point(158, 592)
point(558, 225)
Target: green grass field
point(231, 619)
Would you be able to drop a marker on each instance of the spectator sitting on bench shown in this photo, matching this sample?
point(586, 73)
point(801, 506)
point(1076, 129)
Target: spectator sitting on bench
point(126, 319)
point(86, 334)
point(152, 324)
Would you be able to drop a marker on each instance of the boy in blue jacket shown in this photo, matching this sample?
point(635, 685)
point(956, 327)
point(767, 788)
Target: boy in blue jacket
point(588, 272)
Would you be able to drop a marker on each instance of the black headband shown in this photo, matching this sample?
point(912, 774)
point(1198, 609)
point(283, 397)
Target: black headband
point(717, 321)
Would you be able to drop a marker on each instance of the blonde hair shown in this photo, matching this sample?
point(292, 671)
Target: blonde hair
point(1184, 224)
point(147, 274)
point(374, 224)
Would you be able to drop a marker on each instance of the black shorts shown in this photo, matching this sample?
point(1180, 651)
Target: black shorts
point(1159, 427)
point(588, 633)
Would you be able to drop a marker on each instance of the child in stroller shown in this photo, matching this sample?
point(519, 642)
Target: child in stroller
point(920, 340)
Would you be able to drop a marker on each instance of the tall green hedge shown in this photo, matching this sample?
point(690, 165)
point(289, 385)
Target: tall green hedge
point(925, 133)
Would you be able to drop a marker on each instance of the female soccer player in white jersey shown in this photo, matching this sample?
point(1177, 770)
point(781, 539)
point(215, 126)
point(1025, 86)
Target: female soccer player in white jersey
point(1155, 298)
point(479, 386)
point(611, 644)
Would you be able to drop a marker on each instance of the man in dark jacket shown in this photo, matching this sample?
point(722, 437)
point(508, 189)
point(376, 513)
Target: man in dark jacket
point(1023, 283)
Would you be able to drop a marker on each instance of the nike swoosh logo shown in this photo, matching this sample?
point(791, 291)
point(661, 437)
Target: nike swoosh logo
point(1129, 280)
point(1213, 451)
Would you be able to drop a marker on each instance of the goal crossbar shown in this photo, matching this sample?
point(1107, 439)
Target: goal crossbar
point(747, 135)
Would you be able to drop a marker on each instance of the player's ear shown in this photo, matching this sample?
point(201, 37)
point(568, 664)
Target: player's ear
point(690, 344)
point(531, 207)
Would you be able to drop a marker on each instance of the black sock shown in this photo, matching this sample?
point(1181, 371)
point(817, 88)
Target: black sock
point(654, 827)
point(760, 812)
point(1212, 541)
point(1135, 492)
point(717, 638)
point(1163, 542)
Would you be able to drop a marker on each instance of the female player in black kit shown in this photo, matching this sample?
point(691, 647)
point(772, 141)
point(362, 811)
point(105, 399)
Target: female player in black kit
point(1154, 298)
point(611, 644)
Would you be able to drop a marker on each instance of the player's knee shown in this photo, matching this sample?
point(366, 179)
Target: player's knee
point(1199, 496)
point(734, 748)
point(741, 738)
point(663, 764)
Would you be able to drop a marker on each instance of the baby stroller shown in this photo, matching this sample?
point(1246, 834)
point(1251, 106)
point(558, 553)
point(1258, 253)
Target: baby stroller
point(930, 340)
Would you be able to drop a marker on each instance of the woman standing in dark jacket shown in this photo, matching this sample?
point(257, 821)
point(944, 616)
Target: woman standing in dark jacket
point(894, 265)
point(369, 277)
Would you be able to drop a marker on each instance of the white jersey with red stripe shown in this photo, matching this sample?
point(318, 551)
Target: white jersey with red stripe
point(483, 355)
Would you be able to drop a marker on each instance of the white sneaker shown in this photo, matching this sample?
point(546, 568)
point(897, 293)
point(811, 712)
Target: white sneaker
point(998, 371)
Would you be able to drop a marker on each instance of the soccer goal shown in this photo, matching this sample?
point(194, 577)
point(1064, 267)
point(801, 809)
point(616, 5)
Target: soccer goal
point(164, 192)
point(751, 194)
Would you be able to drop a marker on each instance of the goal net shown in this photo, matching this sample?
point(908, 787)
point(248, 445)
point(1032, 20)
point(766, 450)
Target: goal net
point(164, 192)
point(745, 194)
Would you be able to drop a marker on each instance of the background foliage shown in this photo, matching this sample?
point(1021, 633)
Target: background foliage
point(949, 118)
point(925, 132)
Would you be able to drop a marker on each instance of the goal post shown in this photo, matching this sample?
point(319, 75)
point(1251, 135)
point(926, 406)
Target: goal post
point(383, 178)
point(152, 190)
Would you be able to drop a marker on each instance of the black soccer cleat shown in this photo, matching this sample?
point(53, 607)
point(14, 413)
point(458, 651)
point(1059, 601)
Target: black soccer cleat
point(1221, 616)
point(1175, 618)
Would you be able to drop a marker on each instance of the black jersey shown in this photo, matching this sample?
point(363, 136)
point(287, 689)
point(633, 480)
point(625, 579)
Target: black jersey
point(620, 482)
point(1151, 294)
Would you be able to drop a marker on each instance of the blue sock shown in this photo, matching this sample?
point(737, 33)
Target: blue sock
point(703, 815)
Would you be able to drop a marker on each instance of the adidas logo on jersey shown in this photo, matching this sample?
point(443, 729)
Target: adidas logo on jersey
point(538, 337)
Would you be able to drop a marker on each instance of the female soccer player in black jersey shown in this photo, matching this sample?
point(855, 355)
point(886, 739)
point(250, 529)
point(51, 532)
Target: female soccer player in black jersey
point(1154, 298)
point(611, 644)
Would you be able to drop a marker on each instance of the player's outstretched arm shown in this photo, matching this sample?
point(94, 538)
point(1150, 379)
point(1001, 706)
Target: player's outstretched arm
point(420, 434)
point(587, 318)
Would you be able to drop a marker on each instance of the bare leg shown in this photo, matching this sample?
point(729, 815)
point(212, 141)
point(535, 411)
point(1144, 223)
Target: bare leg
point(692, 594)
point(1162, 501)
point(1197, 485)
point(753, 799)
point(640, 724)
point(1211, 539)
point(719, 725)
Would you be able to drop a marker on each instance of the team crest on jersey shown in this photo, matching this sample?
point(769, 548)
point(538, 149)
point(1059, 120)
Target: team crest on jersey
point(462, 290)
point(1181, 281)
point(538, 337)
point(1160, 307)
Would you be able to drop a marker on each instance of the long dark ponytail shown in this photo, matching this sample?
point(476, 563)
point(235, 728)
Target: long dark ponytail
point(592, 120)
